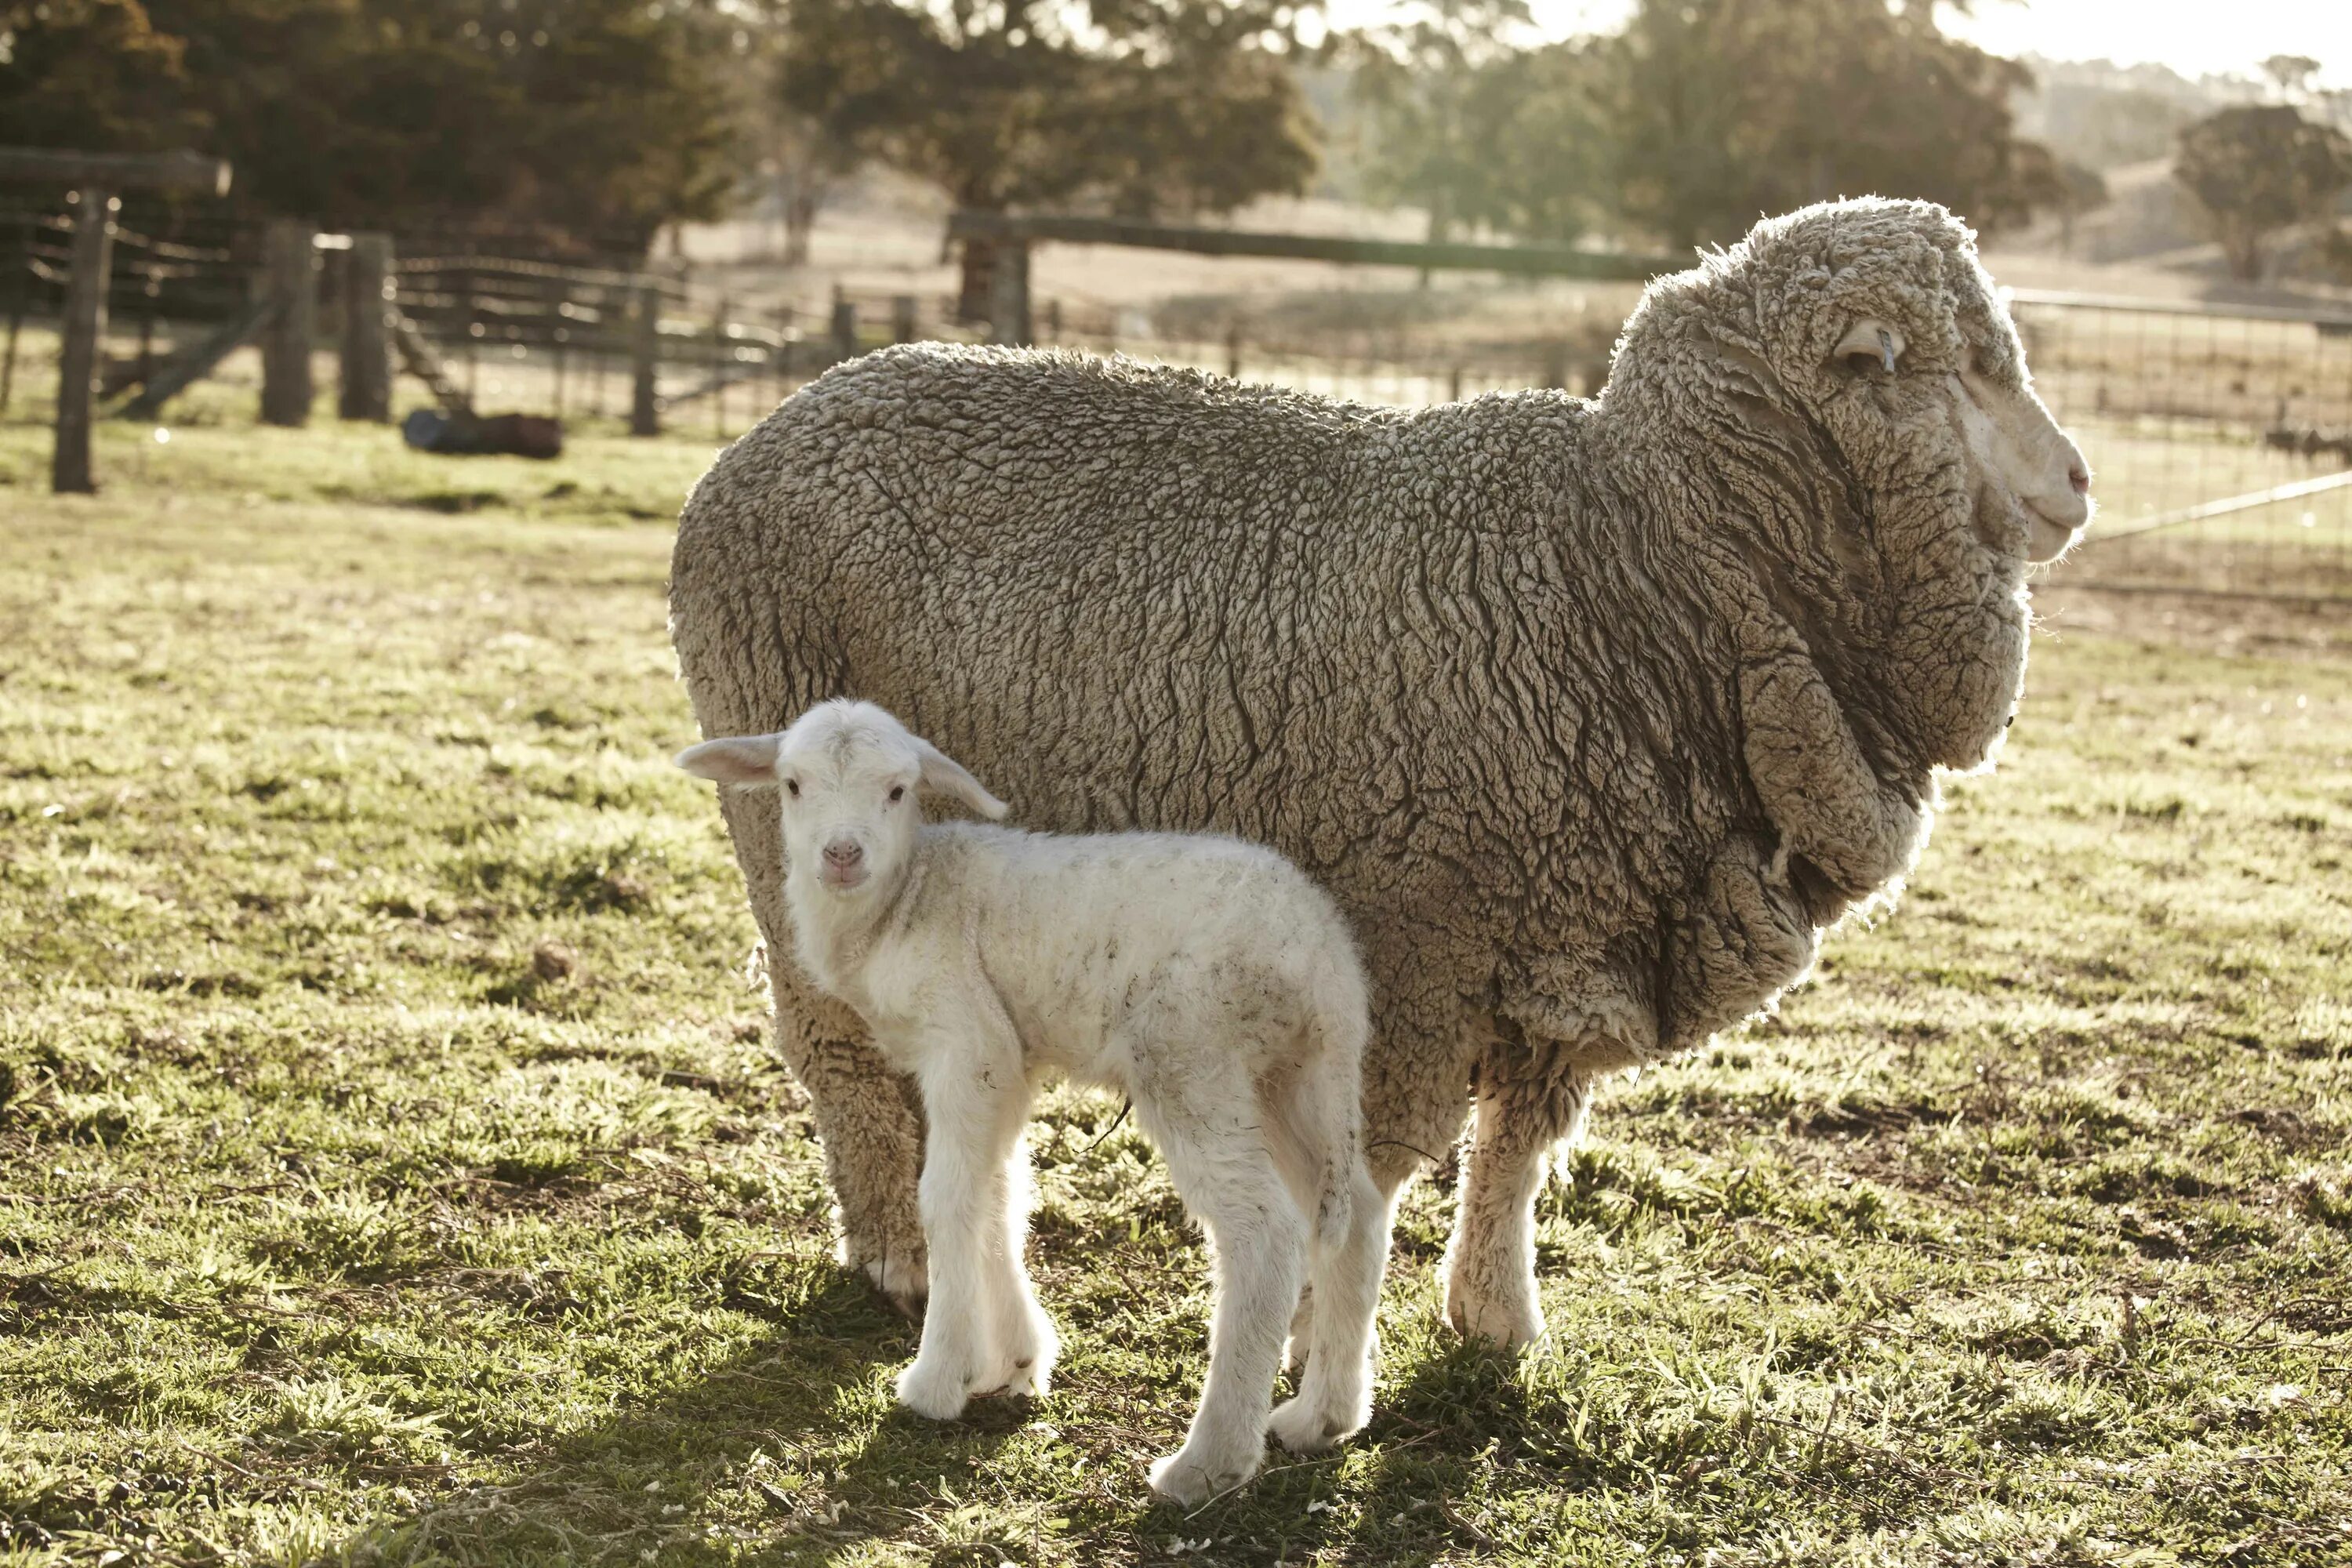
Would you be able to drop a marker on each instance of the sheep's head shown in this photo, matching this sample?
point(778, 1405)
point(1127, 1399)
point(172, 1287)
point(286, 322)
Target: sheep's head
point(1849, 373)
point(848, 776)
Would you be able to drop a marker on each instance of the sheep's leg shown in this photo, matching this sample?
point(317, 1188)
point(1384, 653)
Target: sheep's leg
point(1259, 1240)
point(1527, 1102)
point(1334, 1398)
point(976, 1107)
point(868, 1118)
point(1414, 1110)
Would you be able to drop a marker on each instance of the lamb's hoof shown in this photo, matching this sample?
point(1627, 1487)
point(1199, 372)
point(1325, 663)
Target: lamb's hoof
point(1188, 1479)
point(1029, 1370)
point(934, 1392)
point(901, 1283)
point(1508, 1325)
point(1305, 1428)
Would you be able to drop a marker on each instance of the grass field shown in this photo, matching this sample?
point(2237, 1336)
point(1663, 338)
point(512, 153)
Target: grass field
point(393, 1167)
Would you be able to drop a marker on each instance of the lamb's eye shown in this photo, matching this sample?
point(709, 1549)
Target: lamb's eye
point(793, 788)
point(898, 794)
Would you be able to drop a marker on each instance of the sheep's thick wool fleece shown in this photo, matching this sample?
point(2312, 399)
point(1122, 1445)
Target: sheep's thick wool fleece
point(1590, 715)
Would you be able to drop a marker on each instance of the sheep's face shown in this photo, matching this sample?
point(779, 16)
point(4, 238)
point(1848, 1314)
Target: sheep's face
point(1885, 333)
point(847, 777)
point(1960, 366)
point(1868, 328)
point(1855, 398)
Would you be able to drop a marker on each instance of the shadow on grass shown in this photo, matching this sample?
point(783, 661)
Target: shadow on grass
point(791, 1451)
point(648, 1482)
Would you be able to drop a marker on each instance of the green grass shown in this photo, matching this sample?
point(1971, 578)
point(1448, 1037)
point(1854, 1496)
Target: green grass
point(393, 1167)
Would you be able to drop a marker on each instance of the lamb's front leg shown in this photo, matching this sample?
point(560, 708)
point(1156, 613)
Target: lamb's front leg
point(1024, 1344)
point(975, 1107)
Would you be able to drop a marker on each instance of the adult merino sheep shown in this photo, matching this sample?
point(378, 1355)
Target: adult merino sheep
point(1592, 714)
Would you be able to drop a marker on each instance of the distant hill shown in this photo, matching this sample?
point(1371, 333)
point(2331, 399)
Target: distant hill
point(2106, 116)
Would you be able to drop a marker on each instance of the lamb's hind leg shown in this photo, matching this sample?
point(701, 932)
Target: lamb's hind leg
point(1259, 1240)
point(1335, 1397)
point(1529, 1101)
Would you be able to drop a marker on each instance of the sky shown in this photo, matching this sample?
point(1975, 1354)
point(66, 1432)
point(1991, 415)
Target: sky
point(2195, 37)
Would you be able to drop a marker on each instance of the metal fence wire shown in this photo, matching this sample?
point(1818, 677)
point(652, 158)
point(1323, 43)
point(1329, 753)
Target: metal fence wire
point(2221, 439)
point(2221, 436)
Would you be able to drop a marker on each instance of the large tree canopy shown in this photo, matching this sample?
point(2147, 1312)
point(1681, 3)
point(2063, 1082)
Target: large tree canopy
point(1146, 105)
point(597, 118)
point(1723, 109)
point(2258, 168)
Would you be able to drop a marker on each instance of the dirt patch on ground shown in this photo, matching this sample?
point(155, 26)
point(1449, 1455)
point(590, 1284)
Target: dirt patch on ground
point(2229, 625)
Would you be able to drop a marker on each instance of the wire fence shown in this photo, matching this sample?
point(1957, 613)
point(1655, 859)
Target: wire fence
point(2221, 439)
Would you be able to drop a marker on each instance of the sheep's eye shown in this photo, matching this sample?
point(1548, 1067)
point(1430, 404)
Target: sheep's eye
point(793, 788)
point(898, 794)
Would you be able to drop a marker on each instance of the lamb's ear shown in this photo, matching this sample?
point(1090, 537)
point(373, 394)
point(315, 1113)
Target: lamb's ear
point(943, 775)
point(736, 760)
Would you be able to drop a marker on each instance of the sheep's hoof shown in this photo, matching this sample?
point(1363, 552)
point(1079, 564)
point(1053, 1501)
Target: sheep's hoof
point(930, 1392)
point(1305, 1428)
point(901, 1283)
point(1505, 1324)
point(1188, 1479)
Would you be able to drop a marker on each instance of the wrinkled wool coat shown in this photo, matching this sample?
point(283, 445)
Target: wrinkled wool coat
point(1590, 715)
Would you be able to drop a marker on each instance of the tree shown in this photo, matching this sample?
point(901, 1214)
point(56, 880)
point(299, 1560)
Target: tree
point(2293, 73)
point(2081, 189)
point(1430, 84)
point(1726, 109)
point(2257, 168)
point(585, 117)
point(1145, 106)
point(91, 73)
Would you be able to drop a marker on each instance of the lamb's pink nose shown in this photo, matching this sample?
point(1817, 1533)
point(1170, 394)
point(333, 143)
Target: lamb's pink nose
point(2079, 477)
point(843, 855)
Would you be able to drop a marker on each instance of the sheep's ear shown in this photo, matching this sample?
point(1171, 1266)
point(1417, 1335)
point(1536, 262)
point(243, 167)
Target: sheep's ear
point(737, 760)
point(1870, 344)
point(1740, 371)
point(943, 775)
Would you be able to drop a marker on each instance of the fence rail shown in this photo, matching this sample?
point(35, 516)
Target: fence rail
point(2222, 438)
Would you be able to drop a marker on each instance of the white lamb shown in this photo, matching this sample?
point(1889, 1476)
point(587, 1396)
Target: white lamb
point(1206, 979)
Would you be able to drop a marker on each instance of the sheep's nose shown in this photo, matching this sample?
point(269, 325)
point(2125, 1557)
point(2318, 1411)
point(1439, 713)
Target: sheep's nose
point(2078, 474)
point(842, 854)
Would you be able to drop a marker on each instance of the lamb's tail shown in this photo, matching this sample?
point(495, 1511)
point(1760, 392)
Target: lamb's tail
point(1350, 1227)
point(1339, 1032)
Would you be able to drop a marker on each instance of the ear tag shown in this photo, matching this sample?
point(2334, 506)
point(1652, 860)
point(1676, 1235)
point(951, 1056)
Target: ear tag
point(1886, 350)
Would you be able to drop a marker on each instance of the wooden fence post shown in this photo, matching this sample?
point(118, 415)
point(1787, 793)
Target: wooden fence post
point(1233, 351)
point(644, 359)
point(722, 365)
point(1008, 295)
point(902, 317)
point(365, 390)
point(285, 385)
point(85, 324)
point(844, 328)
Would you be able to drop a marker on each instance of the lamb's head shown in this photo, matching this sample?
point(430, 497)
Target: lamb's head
point(1857, 391)
point(847, 776)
